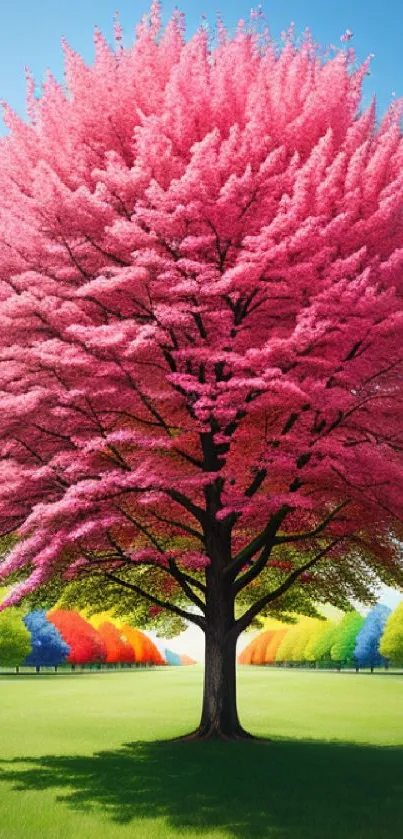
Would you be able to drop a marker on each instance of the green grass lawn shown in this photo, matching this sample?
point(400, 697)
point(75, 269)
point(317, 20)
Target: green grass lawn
point(80, 757)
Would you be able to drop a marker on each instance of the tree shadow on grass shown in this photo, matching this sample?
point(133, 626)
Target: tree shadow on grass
point(282, 790)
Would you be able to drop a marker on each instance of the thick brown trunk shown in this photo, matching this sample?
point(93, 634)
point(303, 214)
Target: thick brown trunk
point(219, 717)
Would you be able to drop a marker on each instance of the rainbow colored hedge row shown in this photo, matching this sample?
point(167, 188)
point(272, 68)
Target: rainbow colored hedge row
point(372, 641)
point(40, 639)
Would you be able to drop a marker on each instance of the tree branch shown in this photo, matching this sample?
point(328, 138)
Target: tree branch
point(256, 483)
point(176, 610)
point(144, 563)
point(172, 568)
point(180, 525)
point(143, 398)
point(55, 434)
point(181, 578)
point(190, 459)
point(141, 527)
point(35, 454)
point(116, 259)
point(254, 610)
point(255, 570)
point(266, 536)
point(188, 505)
point(309, 534)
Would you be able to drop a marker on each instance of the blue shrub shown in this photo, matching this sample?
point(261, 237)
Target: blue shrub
point(171, 657)
point(366, 651)
point(48, 647)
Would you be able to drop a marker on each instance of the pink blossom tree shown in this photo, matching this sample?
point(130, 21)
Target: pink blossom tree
point(201, 251)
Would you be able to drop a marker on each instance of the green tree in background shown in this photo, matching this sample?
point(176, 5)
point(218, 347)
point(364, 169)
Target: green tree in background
point(308, 628)
point(391, 645)
point(343, 646)
point(320, 644)
point(15, 639)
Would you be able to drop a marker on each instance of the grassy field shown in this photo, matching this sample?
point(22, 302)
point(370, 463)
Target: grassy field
point(79, 757)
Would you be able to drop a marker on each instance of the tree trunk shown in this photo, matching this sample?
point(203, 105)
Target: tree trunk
point(219, 717)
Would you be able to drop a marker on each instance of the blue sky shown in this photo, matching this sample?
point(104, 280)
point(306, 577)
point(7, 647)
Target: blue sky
point(30, 33)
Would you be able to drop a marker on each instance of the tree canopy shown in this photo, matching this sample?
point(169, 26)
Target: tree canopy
point(345, 636)
point(391, 645)
point(320, 644)
point(48, 647)
point(308, 628)
point(366, 651)
point(200, 296)
point(15, 639)
point(85, 643)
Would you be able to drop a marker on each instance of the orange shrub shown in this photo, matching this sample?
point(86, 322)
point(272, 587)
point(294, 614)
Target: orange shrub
point(246, 654)
point(259, 647)
point(145, 651)
point(186, 659)
point(117, 649)
point(273, 645)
